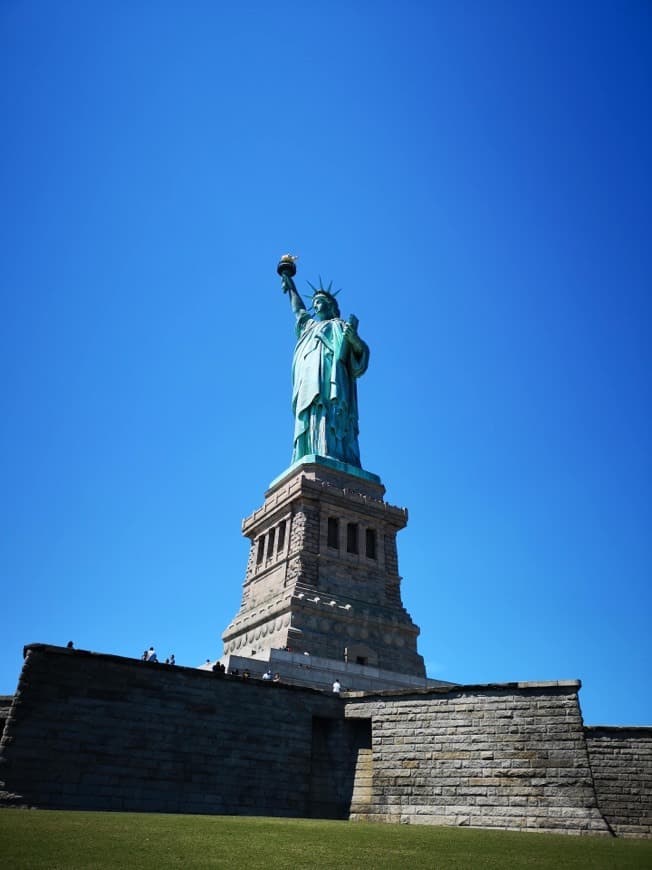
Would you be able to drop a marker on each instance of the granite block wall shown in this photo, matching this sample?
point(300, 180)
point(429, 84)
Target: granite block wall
point(5, 706)
point(511, 756)
point(89, 731)
point(621, 762)
point(92, 731)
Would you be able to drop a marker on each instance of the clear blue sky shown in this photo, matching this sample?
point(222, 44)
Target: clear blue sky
point(475, 176)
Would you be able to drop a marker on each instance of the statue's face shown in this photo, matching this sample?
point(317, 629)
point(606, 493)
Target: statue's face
point(323, 308)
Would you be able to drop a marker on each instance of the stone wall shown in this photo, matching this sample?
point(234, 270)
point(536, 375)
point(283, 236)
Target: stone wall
point(89, 731)
point(5, 705)
point(510, 756)
point(92, 731)
point(621, 761)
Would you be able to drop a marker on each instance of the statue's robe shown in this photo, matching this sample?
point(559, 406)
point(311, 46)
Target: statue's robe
point(324, 394)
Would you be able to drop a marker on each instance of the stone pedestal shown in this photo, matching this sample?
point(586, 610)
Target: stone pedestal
point(322, 575)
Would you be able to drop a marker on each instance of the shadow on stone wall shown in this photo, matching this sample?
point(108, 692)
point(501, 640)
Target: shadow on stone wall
point(91, 731)
point(621, 761)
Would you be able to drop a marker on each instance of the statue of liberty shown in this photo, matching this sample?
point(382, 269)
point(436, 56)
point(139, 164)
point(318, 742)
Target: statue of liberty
point(328, 359)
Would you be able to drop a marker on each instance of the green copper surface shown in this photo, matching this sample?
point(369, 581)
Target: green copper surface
point(329, 357)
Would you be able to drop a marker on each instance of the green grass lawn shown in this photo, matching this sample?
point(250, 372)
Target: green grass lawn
point(52, 840)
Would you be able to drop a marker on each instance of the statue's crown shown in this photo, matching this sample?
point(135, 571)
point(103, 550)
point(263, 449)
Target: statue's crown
point(323, 291)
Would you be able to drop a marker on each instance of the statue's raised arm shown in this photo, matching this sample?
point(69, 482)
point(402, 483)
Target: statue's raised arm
point(328, 358)
point(287, 270)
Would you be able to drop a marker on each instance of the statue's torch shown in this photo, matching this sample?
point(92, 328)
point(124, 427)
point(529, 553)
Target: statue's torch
point(287, 269)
